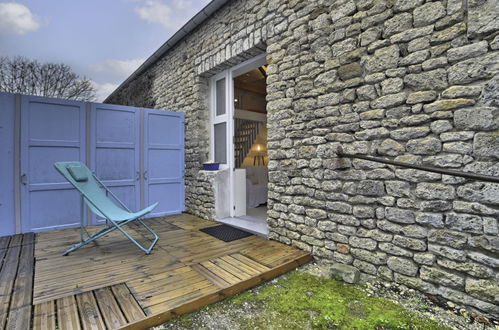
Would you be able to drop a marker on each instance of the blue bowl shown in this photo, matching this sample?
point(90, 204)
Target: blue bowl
point(211, 166)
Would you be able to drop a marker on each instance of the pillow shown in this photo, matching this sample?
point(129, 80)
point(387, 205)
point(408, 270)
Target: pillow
point(78, 173)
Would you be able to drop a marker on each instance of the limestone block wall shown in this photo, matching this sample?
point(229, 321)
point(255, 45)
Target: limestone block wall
point(203, 194)
point(411, 80)
point(414, 81)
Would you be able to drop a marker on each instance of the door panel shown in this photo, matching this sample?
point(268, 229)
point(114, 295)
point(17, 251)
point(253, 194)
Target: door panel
point(7, 206)
point(54, 208)
point(52, 130)
point(115, 151)
point(164, 161)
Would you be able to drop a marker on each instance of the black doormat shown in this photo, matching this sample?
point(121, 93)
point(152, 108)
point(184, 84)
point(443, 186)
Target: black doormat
point(225, 233)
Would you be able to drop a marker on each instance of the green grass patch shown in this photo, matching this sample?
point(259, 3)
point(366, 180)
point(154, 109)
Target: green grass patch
point(301, 300)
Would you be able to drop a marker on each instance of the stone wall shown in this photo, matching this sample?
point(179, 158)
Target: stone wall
point(411, 80)
point(202, 196)
point(407, 80)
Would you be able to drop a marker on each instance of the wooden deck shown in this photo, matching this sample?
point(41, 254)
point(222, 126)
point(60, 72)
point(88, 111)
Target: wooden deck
point(111, 284)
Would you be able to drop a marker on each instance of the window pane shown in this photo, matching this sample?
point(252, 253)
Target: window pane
point(220, 97)
point(221, 143)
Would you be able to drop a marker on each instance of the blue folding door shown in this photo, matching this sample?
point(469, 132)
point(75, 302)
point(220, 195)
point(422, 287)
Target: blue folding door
point(115, 151)
point(164, 161)
point(53, 130)
point(7, 120)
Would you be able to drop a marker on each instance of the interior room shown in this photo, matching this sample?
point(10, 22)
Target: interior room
point(250, 141)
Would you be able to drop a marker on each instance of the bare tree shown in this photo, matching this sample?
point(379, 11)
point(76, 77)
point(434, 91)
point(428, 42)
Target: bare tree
point(25, 76)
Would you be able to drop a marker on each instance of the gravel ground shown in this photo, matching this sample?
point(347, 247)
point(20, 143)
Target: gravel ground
point(225, 315)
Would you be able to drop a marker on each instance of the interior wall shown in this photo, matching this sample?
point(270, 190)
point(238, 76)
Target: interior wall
point(250, 101)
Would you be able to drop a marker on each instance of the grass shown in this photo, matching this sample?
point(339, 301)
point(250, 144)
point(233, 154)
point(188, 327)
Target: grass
point(303, 301)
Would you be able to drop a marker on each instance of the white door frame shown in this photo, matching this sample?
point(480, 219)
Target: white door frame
point(228, 117)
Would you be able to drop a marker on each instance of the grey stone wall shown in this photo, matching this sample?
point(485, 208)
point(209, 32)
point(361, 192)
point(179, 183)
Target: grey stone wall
point(202, 196)
point(414, 81)
point(209, 196)
point(410, 80)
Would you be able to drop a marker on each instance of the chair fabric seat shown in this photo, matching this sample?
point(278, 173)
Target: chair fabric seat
point(116, 213)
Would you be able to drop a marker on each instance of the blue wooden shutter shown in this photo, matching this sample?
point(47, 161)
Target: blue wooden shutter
point(164, 161)
point(53, 130)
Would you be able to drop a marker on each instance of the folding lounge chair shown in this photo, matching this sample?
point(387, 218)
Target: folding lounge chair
point(96, 196)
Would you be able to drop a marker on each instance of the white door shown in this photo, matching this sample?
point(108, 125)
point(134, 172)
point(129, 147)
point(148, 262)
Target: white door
point(222, 132)
point(222, 127)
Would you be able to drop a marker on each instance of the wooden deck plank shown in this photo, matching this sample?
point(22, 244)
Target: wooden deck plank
point(20, 306)
point(90, 316)
point(28, 238)
point(180, 300)
point(4, 242)
point(102, 273)
point(273, 259)
point(44, 316)
point(19, 318)
point(150, 292)
point(239, 273)
point(67, 313)
point(163, 297)
point(164, 276)
point(219, 282)
point(127, 302)
point(222, 273)
point(3, 252)
point(16, 240)
point(250, 262)
point(214, 253)
point(233, 261)
point(109, 308)
point(151, 287)
point(70, 267)
point(7, 279)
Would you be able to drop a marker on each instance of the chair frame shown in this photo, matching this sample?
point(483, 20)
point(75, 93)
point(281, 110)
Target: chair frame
point(115, 225)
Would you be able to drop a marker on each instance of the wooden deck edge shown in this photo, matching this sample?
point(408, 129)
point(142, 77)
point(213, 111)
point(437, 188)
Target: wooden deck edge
point(162, 317)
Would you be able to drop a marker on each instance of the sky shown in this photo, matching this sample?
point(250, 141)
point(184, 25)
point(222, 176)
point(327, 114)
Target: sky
point(103, 40)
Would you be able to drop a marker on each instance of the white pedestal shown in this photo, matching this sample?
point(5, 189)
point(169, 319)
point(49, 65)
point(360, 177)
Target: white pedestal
point(240, 192)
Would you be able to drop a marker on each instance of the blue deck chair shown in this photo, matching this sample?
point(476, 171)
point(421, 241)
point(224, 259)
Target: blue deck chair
point(96, 195)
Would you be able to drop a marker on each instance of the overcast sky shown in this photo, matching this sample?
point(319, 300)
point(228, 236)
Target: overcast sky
point(104, 40)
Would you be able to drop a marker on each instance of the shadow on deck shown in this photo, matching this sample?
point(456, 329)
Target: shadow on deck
point(112, 284)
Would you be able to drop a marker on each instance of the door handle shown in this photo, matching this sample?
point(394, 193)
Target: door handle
point(137, 176)
point(24, 179)
point(145, 175)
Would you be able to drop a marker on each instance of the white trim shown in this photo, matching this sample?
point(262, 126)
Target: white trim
point(214, 119)
point(249, 65)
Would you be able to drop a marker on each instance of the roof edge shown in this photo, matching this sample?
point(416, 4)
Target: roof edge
point(188, 27)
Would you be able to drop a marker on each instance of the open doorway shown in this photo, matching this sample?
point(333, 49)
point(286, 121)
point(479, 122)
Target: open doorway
point(239, 142)
point(250, 142)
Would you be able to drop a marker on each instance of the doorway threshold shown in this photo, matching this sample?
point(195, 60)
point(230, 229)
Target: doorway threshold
point(257, 226)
